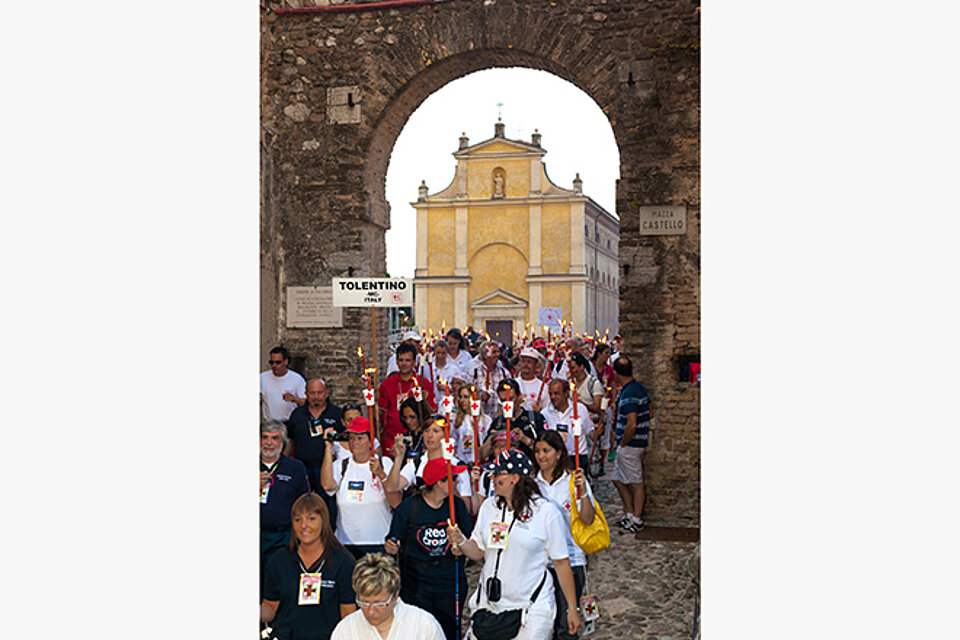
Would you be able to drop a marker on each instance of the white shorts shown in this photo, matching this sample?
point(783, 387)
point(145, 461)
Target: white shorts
point(628, 466)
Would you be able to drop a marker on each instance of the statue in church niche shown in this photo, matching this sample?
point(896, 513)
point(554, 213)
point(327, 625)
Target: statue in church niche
point(499, 183)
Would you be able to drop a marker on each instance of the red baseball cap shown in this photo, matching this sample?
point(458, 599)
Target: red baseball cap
point(359, 425)
point(538, 342)
point(436, 470)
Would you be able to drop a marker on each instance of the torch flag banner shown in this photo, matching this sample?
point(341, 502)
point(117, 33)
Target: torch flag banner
point(475, 407)
point(576, 426)
point(368, 397)
point(418, 393)
point(508, 408)
point(447, 404)
point(448, 449)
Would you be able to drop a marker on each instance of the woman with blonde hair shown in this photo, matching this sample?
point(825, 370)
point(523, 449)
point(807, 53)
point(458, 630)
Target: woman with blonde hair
point(307, 587)
point(376, 581)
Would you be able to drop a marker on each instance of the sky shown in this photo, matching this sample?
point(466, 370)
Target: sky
point(575, 133)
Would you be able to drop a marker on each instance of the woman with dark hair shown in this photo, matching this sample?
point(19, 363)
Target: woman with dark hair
point(527, 530)
point(307, 587)
point(456, 350)
point(553, 479)
point(430, 575)
point(413, 466)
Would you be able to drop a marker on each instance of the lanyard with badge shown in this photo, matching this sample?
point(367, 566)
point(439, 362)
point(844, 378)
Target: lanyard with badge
point(309, 592)
point(316, 430)
point(499, 532)
point(265, 489)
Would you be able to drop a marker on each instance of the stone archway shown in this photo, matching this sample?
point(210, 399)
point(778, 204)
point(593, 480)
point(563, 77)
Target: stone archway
point(339, 82)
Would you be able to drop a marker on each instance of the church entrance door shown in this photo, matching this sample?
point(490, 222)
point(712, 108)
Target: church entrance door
point(500, 330)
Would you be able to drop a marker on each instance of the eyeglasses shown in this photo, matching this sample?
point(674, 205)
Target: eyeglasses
point(351, 407)
point(276, 361)
point(375, 605)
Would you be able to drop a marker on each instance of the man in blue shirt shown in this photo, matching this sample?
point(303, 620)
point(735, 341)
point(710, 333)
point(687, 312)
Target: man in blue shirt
point(632, 432)
point(282, 481)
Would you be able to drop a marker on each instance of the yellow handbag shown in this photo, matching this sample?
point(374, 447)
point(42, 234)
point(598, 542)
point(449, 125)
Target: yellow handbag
point(591, 537)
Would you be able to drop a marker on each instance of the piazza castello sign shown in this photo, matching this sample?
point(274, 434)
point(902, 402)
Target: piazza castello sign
point(663, 220)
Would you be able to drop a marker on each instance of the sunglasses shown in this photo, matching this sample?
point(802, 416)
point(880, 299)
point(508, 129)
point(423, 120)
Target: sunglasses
point(276, 361)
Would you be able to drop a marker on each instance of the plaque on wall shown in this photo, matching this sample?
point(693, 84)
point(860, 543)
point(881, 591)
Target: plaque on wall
point(312, 308)
point(663, 220)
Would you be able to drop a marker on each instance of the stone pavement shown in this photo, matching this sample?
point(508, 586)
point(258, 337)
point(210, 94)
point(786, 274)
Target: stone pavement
point(646, 588)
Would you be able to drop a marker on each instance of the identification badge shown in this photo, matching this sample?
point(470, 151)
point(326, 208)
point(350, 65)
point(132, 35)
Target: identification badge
point(309, 588)
point(466, 442)
point(590, 608)
point(316, 430)
point(498, 535)
point(563, 430)
point(355, 491)
point(264, 492)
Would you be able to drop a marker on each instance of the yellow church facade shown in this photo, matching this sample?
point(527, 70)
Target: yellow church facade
point(502, 241)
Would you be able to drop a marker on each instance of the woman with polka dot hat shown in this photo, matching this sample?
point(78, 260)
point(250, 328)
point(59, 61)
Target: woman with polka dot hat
point(517, 533)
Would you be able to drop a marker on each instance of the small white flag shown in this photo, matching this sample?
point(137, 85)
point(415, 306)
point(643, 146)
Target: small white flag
point(448, 449)
point(475, 407)
point(604, 403)
point(508, 408)
point(576, 426)
point(368, 397)
point(447, 404)
point(418, 393)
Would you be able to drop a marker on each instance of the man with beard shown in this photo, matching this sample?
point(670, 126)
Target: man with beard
point(282, 481)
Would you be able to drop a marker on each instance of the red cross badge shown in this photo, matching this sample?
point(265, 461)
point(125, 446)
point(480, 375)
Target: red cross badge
point(368, 397)
point(474, 408)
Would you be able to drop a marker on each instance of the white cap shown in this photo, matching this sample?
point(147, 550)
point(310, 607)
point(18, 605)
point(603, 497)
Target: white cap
point(531, 353)
point(459, 374)
point(410, 335)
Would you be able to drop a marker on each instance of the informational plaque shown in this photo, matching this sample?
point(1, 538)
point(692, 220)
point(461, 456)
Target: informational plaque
point(312, 308)
point(663, 220)
point(373, 292)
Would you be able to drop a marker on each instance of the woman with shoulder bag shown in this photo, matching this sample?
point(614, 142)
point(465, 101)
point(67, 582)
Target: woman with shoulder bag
point(516, 534)
point(553, 479)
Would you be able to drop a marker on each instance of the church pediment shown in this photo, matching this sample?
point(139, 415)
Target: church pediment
point(500, 299)
point(498, 146)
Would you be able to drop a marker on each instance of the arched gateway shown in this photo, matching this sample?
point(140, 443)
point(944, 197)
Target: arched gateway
point(338, 82)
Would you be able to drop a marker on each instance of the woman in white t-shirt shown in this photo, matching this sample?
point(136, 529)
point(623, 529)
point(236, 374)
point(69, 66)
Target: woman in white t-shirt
point(554, 466)
point(463, 424)
point(432, 448)
point(517, 533)
point(363, 501)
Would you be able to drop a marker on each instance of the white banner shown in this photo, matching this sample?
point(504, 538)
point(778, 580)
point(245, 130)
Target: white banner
point(372, 292)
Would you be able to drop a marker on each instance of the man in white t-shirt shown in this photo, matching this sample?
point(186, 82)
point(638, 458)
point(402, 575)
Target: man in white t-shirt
point(281, 390)
point(534, 397)
point(559, 416)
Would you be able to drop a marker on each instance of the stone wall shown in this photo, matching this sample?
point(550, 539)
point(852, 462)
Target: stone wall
point(337, 88)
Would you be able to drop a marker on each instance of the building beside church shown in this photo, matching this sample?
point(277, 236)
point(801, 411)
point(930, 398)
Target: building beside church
point(502, 241)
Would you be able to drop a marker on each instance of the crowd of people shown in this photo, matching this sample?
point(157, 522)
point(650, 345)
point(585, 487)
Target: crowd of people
point(478, 453)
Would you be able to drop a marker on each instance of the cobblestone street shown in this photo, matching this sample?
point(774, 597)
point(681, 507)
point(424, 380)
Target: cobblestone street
point(646, 588)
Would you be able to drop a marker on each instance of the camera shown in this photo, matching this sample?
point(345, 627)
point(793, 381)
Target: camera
point(493, 589)
point(407, 441)
point(336, 437)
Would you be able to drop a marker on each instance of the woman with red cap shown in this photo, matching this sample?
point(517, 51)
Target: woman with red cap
point(363, 501)
point(418, 535)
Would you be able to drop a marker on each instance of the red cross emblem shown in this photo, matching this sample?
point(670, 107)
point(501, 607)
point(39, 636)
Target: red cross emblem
point(447, 403)
point(475, 408)
point(368, 396)
point(418, 394)
point(448, 449)
point(308, 590)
